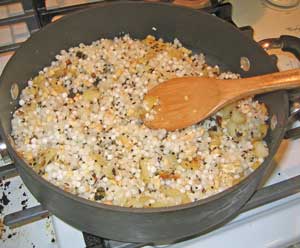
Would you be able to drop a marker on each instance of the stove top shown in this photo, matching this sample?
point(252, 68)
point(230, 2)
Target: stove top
point(272, 225)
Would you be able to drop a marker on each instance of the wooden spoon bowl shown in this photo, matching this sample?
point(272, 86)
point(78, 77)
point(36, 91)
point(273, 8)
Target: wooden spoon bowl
point(188, 100)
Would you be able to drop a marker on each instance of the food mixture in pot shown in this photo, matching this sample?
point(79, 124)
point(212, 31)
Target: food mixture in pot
point(79, 126)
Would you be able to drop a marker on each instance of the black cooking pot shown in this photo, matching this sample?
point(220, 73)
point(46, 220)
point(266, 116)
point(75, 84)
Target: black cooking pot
point(222, 43)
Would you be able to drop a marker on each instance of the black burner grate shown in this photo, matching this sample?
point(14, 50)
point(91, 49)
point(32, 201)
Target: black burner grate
point(93, 241)
point(36, 15)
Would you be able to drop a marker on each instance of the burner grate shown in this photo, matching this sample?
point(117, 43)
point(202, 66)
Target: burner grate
point(36, 15)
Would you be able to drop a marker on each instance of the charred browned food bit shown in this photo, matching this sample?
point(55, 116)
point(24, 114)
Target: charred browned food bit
point(94, 176)
point(107, 68)
point(68, 62)
point(219, 120)
point(97, 81)
point(239, 134)
point(81, 55)
point(71, 94)
point(114, 171)
point(100, 194)
point(213, 128)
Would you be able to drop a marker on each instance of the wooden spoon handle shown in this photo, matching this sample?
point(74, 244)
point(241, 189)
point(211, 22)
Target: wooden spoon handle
point(240, 88)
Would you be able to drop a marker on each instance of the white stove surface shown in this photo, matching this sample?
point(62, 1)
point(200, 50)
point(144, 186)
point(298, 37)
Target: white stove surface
point(273, 225)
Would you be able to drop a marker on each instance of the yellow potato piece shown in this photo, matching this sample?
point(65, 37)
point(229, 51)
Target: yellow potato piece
point(145, 174)
point(260, 149)
point(91, 94)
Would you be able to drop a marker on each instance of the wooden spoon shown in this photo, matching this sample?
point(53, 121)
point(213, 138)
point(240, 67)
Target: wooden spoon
point(188, 100)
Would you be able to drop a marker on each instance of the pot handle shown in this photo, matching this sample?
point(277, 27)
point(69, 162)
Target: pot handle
point(290, 44)
point(290, 186)
point(293, 132)
point(286, 43)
